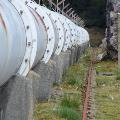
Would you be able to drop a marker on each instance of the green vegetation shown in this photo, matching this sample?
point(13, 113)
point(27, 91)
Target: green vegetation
point(68, 113)
point(69, 105)
point(71, 101)
point(118, 75)
point(107, 92)
point(106, 66)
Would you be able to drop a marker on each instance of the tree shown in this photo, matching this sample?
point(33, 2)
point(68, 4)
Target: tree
point(92, 11)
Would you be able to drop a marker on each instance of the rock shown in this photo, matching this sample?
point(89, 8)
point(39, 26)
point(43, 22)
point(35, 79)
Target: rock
point(111, 97)
point(101, 56)
point(104, 44)
point(113, 7)
point(57, 92)
point(105, 74)
point(103, 85)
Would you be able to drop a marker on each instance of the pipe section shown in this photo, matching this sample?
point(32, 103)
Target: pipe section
point(12, 41)
point(31, 33)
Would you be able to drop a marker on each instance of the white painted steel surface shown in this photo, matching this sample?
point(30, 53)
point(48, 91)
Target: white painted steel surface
point(12, 41)
point(59, 29)
point(30, 33)
point(49, 30)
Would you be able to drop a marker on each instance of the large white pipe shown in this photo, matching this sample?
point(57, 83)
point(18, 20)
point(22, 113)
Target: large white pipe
point(31, 33)
point(59, 30)
point(12, 41)
point(51, 37)
point(67, 31)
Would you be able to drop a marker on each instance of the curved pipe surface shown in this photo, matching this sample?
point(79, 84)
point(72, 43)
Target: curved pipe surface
point(12, 41)
point(31, 33)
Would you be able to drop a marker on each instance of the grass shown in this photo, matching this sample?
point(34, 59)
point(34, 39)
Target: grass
point(40, 113)
point(71, 101)
point(106, 66)
point(107, 92)
point(105, 80)
point(75, 74)
point(68, 113)
point(69, 106)
point(118, 74)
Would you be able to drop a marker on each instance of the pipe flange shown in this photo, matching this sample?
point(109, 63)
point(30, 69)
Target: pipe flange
point(66, 31)
point(73, 32)
point(31, 36)
point(61, 33)
point(49, 29)
point(60, 29)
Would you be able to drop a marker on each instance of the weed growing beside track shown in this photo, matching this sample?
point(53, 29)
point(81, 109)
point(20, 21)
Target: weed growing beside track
point(68, 105)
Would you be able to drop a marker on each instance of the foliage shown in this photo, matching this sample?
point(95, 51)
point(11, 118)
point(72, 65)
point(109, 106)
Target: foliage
point(68, 113)
point(118, 75)
point(66, 102)
point(92, 11)
point(71, 101)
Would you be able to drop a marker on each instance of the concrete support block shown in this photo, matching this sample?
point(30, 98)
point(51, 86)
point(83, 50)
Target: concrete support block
point(72, 56)
point(62, 62)
point(35, 85)
point(79, 53)
point(47, 75)
point(16, 99)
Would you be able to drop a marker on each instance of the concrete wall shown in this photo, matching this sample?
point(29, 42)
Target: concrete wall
point(19, 94)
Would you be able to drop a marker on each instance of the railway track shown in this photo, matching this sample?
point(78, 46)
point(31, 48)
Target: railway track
point(88, 113)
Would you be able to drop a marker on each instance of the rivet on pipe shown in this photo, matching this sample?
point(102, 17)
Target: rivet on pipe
point(47, 51)
point(26, 2)
point(47, 28)
point(49, 39)
point(26, 60)
point(35, 8)
point(27, 27)
point(29, 43)
point(21, 12)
